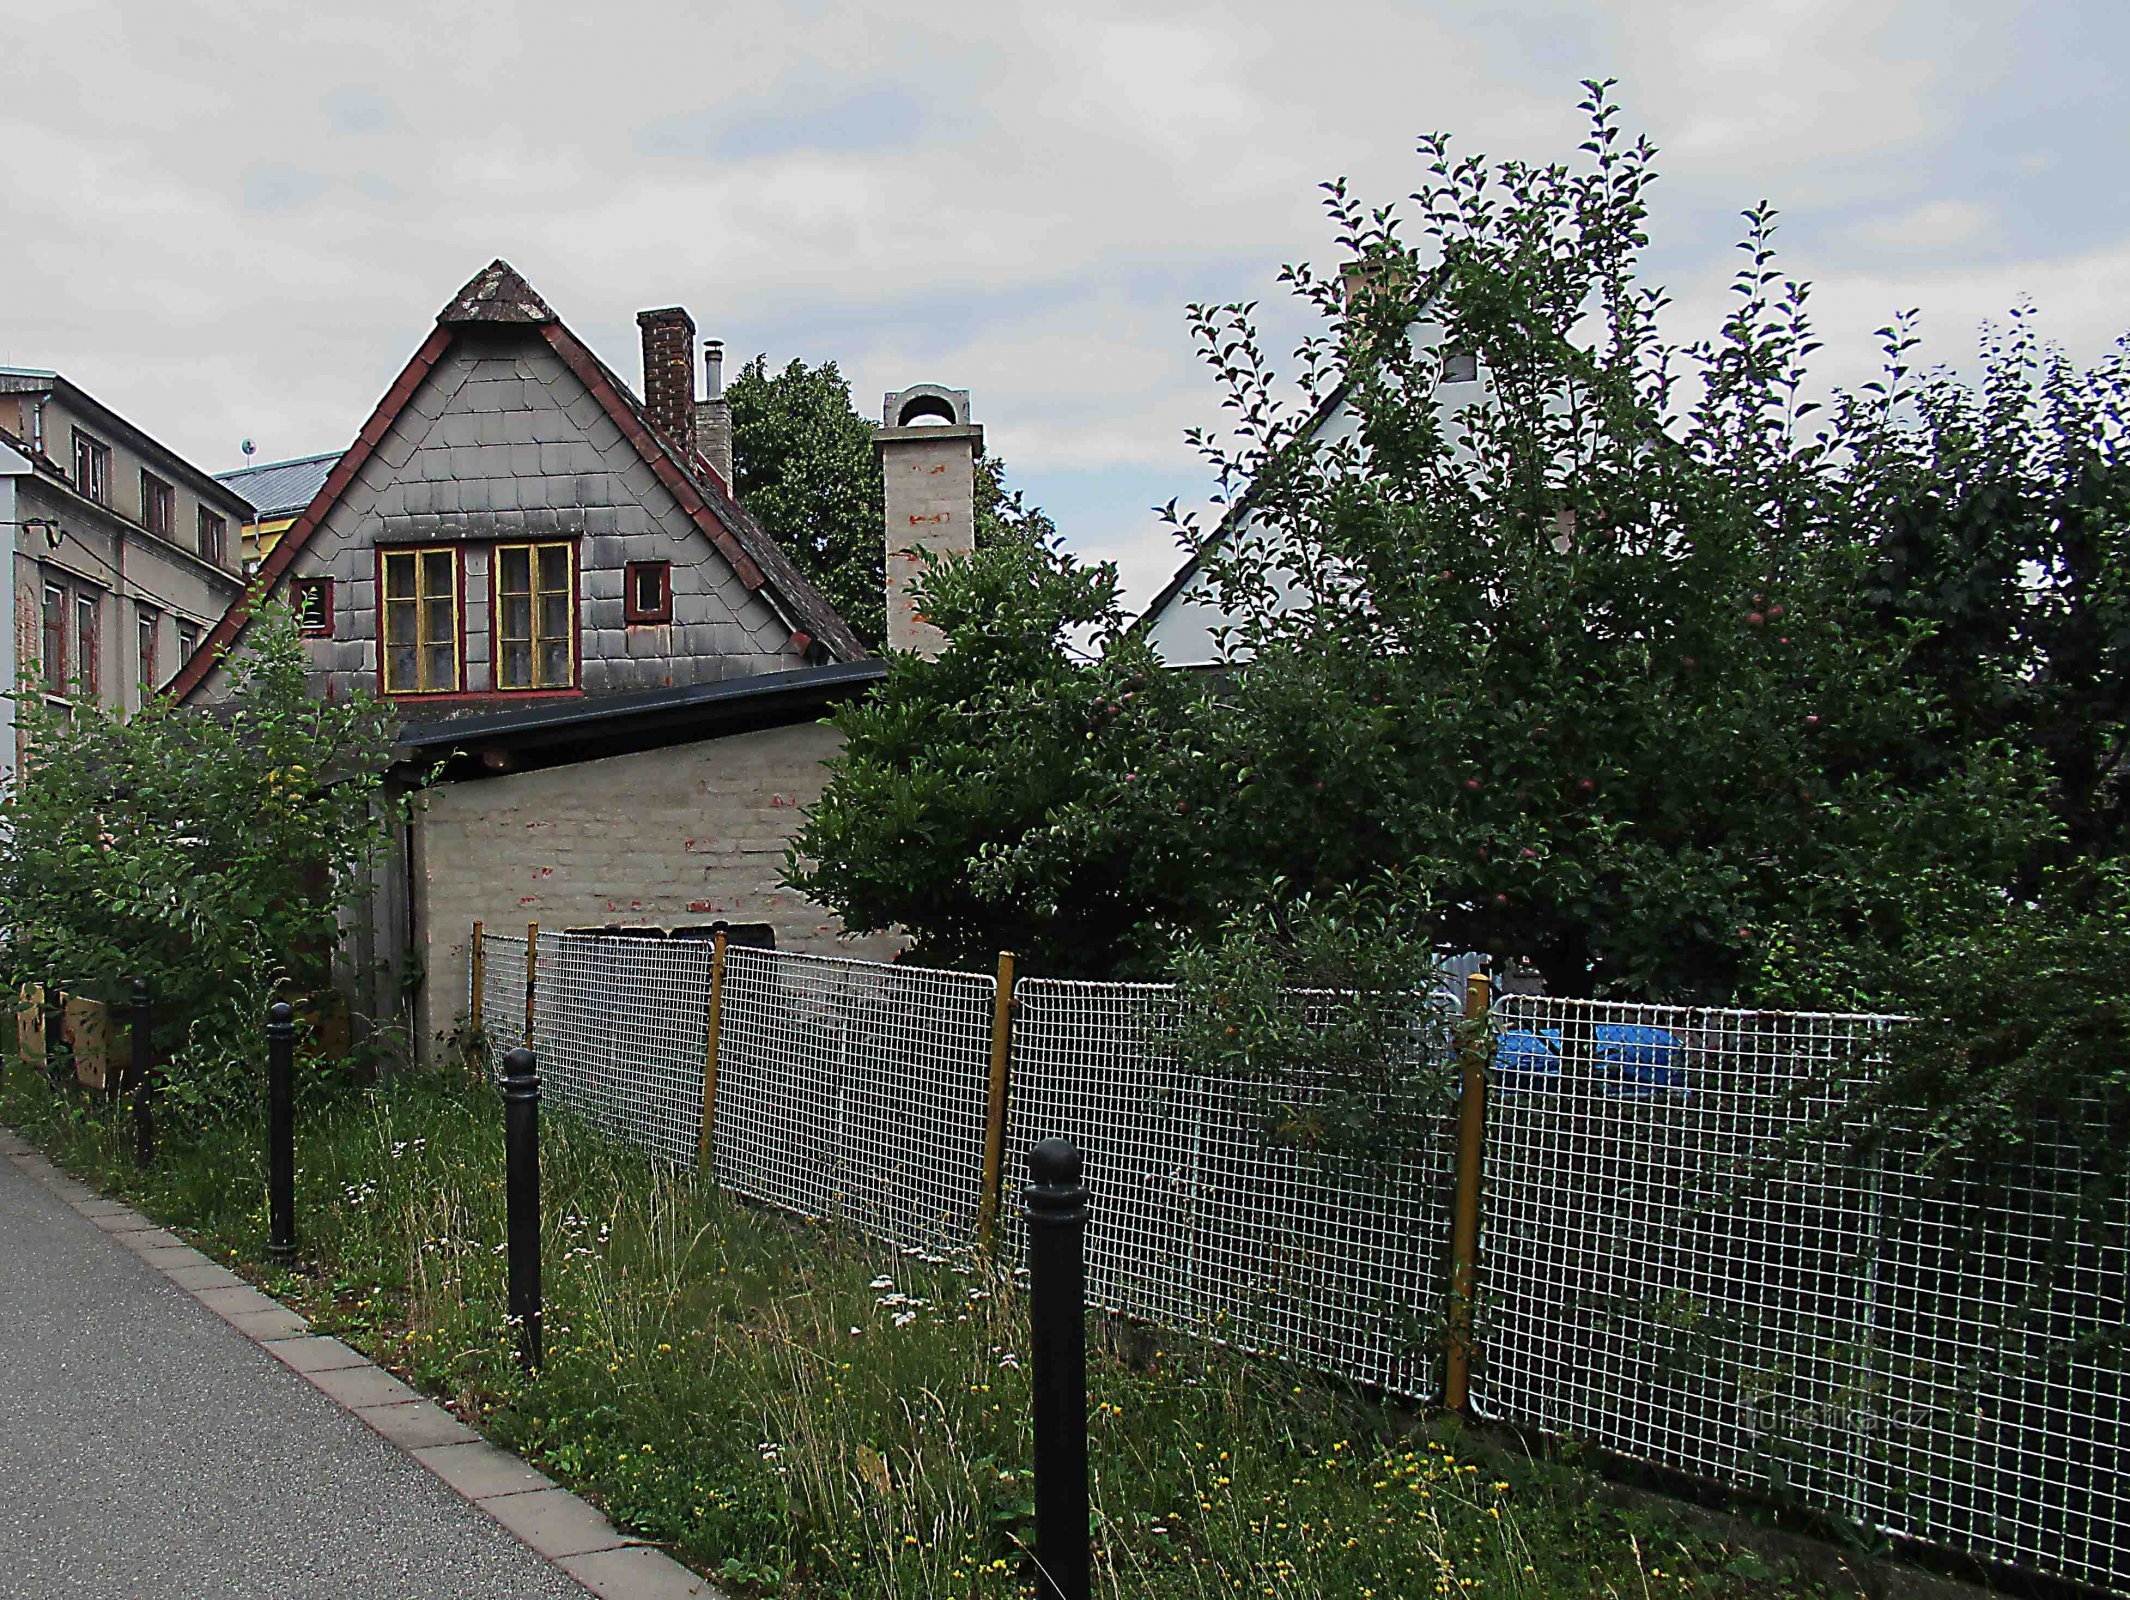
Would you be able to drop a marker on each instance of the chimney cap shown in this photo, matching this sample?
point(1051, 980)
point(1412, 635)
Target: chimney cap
point(665, 316)
point(904, 408)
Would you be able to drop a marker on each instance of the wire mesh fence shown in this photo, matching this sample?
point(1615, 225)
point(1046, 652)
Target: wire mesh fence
point(1688, 1261)
point(1831, 1331)
point(1202, 1222)
point(855, 1091)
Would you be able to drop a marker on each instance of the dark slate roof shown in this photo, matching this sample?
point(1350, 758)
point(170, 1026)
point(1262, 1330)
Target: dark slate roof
point(558, 731)
point(281, 488)
point(36, 380)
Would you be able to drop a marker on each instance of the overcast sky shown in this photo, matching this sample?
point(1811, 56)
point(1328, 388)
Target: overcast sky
point(232, 220)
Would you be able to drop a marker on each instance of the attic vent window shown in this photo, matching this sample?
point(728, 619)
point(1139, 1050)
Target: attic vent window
point(649, 593)
point(1460, 366)
point(314, 607)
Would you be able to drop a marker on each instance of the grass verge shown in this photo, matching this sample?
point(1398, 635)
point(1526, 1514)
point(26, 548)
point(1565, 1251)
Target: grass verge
point(800, 1412)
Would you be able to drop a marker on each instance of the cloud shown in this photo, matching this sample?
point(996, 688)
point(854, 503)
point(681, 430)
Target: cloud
point(357, 110)
point(1017, 198)
point(1933, 225)
point(868, 117)
point(281, 188)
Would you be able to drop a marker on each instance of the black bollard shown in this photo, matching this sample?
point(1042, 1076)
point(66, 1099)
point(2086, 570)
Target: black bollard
point(143, 1031)
point(1055, 1204)
point(521, 1197)
point(281, 1134)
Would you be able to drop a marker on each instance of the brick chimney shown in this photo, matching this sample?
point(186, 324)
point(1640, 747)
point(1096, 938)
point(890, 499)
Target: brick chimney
point(713, 413)
point(669, 375)
point(928, 450)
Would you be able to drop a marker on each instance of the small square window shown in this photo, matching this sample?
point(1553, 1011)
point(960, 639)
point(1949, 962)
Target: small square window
point(648, 592)
point(1460, 366)
point(314, 607)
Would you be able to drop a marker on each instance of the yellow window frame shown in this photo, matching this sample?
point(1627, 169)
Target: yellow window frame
point(540, 565)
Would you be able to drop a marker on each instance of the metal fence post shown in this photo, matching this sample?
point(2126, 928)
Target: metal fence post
point(987, 1206)
point(477, 993)
point(532, 975)
point(1464, 1219)
point(55, 1028)
point(281, 1133)
point(521, 1195)
point(142, 1028)
point(1055, 1205)
point(706, 1136)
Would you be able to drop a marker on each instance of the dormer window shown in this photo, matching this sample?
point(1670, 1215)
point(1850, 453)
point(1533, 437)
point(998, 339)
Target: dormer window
point(1460, 366)
point(158, 505)
point(92, 467)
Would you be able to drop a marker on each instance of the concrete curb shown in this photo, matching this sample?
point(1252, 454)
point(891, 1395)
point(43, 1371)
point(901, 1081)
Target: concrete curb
point(547, 1519)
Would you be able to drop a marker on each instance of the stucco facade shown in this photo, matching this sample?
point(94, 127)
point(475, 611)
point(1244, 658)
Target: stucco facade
point(682, 836)
point(118, 553)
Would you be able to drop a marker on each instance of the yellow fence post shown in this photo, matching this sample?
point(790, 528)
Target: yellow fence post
point(706, 1141)
point(995, 1104)
point(1464, 1220)
point(532, 976)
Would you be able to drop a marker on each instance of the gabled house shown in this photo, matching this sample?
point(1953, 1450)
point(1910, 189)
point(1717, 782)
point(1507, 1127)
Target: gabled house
point(1185, 620)
point(618, 675)
point(513, 523)
point(118, 554)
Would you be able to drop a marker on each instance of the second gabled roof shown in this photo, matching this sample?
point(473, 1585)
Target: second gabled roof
point(498, 295)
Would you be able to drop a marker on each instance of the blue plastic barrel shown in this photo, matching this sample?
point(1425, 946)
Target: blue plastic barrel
point(1638, 1060)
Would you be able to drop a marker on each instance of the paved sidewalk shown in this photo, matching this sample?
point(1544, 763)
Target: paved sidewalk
point(168, 1433)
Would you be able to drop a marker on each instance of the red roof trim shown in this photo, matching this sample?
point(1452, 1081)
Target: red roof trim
point(581, 361)
point(223, 633)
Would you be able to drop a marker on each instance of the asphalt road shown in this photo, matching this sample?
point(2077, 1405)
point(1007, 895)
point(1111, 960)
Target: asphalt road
point(148, 1451)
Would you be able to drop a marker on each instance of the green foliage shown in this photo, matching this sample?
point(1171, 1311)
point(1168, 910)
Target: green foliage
point(993, 798)
point(1648, 669)
point(796, 1411)
point(803, 462)
point(1324, 1010)
point(208, 852)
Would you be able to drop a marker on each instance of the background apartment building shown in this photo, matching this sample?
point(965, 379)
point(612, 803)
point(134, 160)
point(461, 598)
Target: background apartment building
point(120, 555)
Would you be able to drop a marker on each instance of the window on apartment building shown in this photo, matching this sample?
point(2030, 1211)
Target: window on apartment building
point(188, 642)
point(92, 467)
point(86, 654)
point(147, 629)
point(536, 616)
point(214, 532)
point(158, 505)
point(314, 607)
point(421, 621)
point(55, 639)
point(648, 592)
point(1460, 366)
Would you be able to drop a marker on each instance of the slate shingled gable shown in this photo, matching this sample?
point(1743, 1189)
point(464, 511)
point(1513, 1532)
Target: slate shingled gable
point(494, 303)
